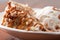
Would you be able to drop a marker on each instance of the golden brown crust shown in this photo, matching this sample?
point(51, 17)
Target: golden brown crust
point(19, 16)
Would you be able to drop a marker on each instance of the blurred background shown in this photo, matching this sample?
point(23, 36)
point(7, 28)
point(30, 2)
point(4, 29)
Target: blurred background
point(33, 3)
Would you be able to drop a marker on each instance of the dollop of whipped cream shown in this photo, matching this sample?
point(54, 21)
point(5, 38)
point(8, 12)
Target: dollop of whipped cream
point(50, 18)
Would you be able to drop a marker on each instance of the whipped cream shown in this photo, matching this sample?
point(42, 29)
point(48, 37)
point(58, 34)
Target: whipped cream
point(49, 18)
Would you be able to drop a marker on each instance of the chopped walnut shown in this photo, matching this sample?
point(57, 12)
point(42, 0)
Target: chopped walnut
point(19, 16)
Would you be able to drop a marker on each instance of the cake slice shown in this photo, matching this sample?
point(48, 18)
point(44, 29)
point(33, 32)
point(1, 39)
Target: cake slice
point(20, 16)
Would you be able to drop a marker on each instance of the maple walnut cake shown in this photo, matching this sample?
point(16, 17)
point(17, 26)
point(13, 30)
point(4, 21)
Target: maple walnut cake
point(21, 16)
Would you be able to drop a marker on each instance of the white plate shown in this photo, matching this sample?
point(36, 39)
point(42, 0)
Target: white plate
point(29, 34)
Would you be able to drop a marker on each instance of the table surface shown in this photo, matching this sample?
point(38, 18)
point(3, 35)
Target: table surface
point(5, 36)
